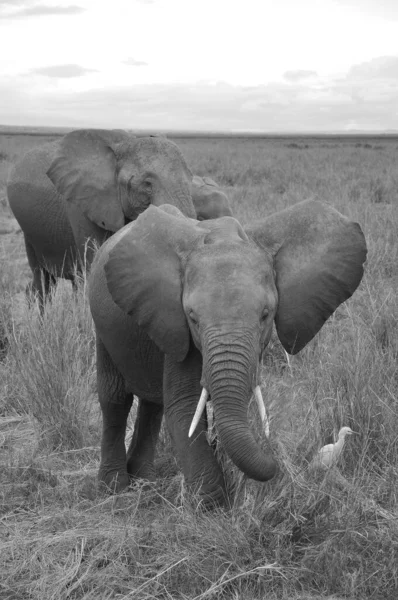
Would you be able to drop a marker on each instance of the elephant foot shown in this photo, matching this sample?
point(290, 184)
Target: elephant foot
point(141, 470)
point(211, 501)
point(210, 496)
point(113, 481)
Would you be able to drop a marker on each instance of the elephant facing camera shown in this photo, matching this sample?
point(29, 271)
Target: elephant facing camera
point(183, 311)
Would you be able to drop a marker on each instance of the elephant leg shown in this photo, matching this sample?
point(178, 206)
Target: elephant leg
point(181, 394)
point(75, 285)
point(141, 452)
point(115, 405)
point(42, 282)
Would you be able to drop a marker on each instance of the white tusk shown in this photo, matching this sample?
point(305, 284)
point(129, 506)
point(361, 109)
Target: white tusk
point(260, 402)
point(261, 408)
point(199, 410)
point(266, 428)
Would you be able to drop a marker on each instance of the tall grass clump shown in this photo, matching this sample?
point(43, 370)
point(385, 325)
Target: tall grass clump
point(10, 285)
point(341, 527)
point(54, 357)
point(5, 310)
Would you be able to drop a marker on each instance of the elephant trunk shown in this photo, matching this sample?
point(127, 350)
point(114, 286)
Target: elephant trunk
point(229, 372)
point(179, 195)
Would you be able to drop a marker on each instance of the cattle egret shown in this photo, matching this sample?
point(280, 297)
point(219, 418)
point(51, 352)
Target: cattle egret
point(329, 454)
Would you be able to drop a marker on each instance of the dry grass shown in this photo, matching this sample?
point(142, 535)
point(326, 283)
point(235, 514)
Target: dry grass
point(54, 357)
point(302, 535)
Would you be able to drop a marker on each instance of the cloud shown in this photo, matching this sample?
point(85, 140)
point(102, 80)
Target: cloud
point(361, 97)
point(132, 62)
point(299, 75)
point(371, 82)
point(383, 67)
point(385, 9)
point(40, 10)
point(63, 71)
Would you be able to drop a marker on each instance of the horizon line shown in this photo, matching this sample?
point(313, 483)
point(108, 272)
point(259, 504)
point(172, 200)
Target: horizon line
point(208, 132)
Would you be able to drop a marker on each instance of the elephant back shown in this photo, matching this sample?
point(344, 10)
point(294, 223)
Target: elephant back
point(38, 207)
point(32, 166)
point(29, 188)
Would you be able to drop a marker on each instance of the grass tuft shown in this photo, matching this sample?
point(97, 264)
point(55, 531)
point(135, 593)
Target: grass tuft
point(54, 356)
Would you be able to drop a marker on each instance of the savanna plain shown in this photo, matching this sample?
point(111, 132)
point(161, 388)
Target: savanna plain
point(304, 535)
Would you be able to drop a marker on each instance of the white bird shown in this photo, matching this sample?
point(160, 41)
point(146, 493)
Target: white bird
point(329, 454)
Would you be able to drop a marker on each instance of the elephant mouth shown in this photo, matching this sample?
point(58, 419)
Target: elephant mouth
point(202, 404)
point(127, 220)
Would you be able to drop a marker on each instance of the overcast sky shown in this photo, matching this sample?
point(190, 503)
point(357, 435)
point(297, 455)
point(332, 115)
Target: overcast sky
point(240, 65)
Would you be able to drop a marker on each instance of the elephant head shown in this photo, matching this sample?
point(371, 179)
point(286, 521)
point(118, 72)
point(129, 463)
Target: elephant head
point(111, 176)
point(218, 288)
point(209, 200)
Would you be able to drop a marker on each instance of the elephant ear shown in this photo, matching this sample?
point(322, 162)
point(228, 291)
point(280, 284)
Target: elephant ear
point(84, 172)
point(144, 279)
point(318, 260)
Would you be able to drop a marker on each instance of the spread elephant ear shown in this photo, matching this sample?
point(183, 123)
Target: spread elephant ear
point(144, 280)
point(84, 172)
point(318, 260)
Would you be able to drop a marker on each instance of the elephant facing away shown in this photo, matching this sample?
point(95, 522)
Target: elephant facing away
point(86, 186)
point(182, 306)
point(210, 201)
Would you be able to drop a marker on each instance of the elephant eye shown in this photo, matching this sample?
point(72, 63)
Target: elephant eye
point(264, 315)
point(147, 185)
point(193, 318)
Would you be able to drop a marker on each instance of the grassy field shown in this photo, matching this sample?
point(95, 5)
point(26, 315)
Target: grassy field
point(303, 535)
